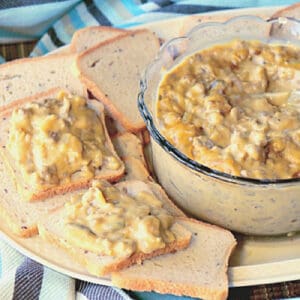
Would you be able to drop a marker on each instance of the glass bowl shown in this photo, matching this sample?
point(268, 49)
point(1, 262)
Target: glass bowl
point(249, 206)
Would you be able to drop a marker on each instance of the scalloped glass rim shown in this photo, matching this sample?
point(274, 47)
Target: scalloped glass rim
point(168, 147)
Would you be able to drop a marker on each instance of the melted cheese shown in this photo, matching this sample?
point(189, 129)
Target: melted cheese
point(109, 222)
point(227, 107)
point(58, 141)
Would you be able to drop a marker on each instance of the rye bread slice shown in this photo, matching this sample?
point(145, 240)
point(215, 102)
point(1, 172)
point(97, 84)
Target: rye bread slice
point(26, 77)
point(88, 37)
point(112, 71)
point(197, 271)
point(12, 168)
point(20, 216)
point(129, 145)
point(51, 229)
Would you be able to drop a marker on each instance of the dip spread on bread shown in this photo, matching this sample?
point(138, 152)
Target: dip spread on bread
point(227, 107)
point(57, 141)
point(106, 221)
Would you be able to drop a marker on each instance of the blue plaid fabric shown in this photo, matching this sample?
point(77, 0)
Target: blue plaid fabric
point(56, 21)
point(128, 13)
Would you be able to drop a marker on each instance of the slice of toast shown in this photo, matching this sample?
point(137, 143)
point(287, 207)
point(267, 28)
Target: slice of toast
point(112, 72)
point(20, 216)
point(28, 76)
point(198, 271)
point(47, 192)
point(51, 229)
point(88, 37)
point(135, 170)
point(129, 145)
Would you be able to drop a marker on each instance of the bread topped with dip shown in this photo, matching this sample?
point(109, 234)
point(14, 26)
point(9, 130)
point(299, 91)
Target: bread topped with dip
point(22, 216)
point(116, 226)
point(56, 143)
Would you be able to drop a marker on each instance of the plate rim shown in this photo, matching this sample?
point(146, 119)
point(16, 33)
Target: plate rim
point(241, 272)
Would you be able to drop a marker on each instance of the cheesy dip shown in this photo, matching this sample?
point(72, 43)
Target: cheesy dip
point(228, 107)
point(58, 141)
point(106, 221)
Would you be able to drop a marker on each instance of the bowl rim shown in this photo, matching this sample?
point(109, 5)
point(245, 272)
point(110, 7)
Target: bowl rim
point(168, 147)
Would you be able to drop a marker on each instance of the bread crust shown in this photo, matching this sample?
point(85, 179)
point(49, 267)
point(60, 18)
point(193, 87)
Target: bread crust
point(135, 170)
point(102, 270)
point(21, 231)
point(146, 137)
point(139, 257)
point(100, 95)
point(121, 142)
point(5, 111)
point(66, 188)
point(76, 36)
point(132, 282)
point(146, 285)
point(20, 217)
point(29, 60)
point(285, 12)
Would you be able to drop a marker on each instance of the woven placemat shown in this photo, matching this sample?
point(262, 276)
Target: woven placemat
point(13, 51)
point(283, 290)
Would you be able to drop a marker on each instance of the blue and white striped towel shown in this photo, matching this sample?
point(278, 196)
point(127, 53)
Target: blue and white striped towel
point(55, 22)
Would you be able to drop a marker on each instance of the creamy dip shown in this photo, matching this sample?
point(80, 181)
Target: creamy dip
point(58, 140)
point(228, 107)
point(106, 221)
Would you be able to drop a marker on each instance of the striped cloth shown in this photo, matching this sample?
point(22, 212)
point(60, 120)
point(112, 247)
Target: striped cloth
point(24, 279)
point(55, 22)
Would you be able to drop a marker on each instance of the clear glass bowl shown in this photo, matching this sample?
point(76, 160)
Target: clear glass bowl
point(250, 206)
